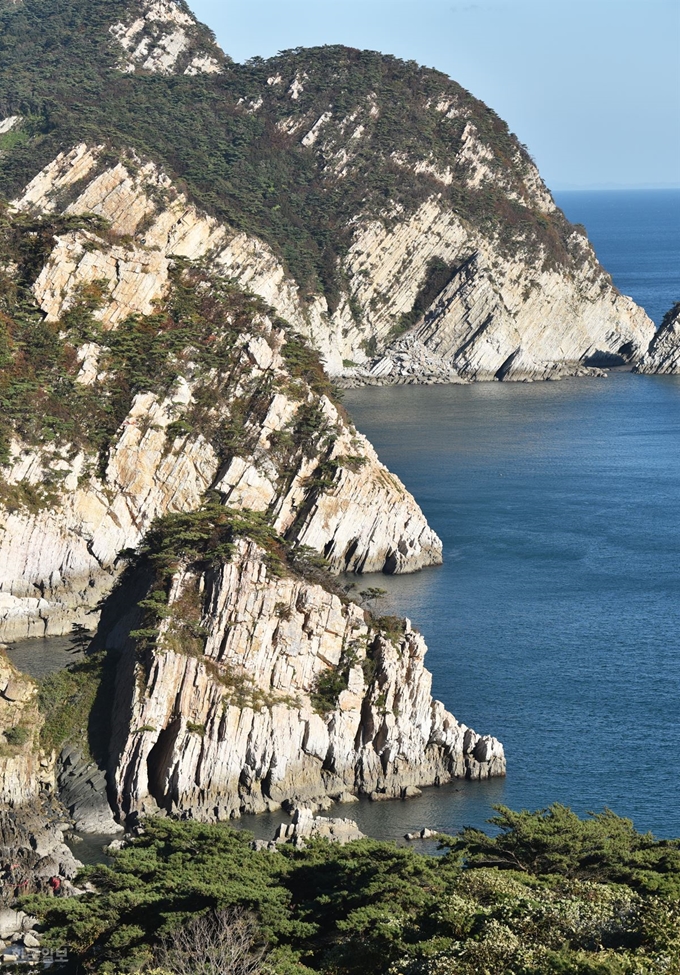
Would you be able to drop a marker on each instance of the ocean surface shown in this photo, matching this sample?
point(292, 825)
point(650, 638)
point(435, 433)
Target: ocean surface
point(554, 623)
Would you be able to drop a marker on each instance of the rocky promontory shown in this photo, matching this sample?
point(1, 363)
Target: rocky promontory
point(663, 355)
point(258, 687)
point(363, 197)
point(191, 485)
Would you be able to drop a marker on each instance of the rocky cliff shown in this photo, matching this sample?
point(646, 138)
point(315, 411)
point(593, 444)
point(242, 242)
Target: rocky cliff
point(247, 414)
point(257, 687)
point(362, 197)
point(202, 431)
point(663, 354)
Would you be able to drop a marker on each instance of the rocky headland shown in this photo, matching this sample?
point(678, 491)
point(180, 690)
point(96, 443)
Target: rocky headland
point(663, 355)
point(191, 485)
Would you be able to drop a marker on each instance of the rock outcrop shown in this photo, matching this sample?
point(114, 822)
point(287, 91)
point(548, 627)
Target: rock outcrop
point(58, 557)
point(497, 316)
point(82, 789)
point(293, 695)
point(490, 316)
point(24, 770)
point(304, 826)
point(163, 37)
point(663, 355)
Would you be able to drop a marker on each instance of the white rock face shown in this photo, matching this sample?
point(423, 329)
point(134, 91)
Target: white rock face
point(57, 563)
point(235, 729)
point(156, 40)
point(663, 355)
point(304, 825)
point(127, 197)
point(497, 317)
point(7, 124)
point(23, 769)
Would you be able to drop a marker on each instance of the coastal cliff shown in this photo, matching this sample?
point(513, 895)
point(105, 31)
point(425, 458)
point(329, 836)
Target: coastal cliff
point(359, 221)
point(663, 354)
point(258, 687)
point(247, 413)
point(200, 431)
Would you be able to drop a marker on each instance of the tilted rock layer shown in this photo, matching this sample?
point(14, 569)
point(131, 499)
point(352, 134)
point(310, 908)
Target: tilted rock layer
point(360, 196)
point(57, 562)
point(663, 355)
point(237, 727)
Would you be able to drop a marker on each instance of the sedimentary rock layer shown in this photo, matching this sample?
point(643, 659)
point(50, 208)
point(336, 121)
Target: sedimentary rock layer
point(498, 315)
point(58, 561)
point(244, 726)
point(663, 355)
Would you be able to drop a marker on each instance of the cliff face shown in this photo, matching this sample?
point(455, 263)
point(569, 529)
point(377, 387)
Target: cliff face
point(23, 767)
point(364, 198)
point(289, 694)
point(663, 354)
point(251, 684)
point(244, 421)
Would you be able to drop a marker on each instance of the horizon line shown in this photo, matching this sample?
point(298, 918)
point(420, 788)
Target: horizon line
point(611, 187)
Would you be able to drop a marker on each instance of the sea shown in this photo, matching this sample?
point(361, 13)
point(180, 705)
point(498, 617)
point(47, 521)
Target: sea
point(554, 622)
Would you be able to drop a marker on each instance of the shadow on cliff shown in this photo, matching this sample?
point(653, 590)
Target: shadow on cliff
point(109, 718)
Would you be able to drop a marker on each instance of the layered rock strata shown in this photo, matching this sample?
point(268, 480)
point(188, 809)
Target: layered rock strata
point(57, 563)
point(663, 354)
point(24, 769)
point(163, 37)
point(248, 723)
point(498, 316)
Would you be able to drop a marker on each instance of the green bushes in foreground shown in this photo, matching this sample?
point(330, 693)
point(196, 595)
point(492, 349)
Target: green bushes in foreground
point(549, 894)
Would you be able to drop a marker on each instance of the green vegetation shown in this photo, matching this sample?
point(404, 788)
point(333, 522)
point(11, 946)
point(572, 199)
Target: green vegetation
point(75, 706)
point(549, 894)
point(18, 735)
point(40, 399)
point(438, 275)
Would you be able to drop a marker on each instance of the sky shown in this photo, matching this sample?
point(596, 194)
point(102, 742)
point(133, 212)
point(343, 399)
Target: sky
point(592, 87)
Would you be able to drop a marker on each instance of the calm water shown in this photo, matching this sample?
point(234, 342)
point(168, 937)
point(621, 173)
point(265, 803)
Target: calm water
point(636, 235)
point(554, 623)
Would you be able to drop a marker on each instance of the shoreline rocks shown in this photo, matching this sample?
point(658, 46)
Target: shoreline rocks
point(663, 354)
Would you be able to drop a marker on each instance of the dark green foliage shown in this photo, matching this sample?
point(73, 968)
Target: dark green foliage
point(73, 707)
point(391, 627)
point(304, 363)
point(329, 686)
point(373, 907)
point(602, 848)
point(18, 735)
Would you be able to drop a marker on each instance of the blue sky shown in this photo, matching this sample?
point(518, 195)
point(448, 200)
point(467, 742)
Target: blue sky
point(591, 86)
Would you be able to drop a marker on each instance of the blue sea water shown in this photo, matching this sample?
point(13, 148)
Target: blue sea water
point(554, 622)
point(636, 235)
